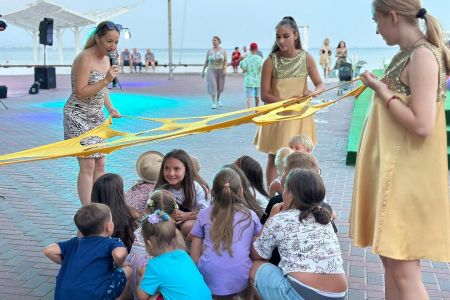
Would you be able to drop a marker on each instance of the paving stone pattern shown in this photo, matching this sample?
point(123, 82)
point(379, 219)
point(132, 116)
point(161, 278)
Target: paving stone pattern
point(38, 200)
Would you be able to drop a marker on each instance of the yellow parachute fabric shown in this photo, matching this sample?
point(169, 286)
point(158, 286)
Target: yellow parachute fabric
point(298, 108)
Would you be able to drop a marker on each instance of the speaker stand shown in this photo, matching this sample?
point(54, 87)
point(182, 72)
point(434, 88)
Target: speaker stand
point(45, 55)
point(3, 104)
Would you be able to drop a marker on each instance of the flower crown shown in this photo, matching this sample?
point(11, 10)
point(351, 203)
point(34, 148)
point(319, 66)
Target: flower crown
point(151, 204)
point(157, 217)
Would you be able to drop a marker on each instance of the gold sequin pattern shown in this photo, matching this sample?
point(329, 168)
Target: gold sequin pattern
point(289, 67)
point(398, 63)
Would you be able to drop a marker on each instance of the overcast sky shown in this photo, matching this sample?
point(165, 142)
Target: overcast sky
point(237, 22)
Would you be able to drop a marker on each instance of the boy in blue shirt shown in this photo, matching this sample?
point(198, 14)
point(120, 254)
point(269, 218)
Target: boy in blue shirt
point(87, 262)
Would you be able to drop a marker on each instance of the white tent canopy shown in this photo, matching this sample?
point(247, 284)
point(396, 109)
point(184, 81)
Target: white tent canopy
point(30, 16)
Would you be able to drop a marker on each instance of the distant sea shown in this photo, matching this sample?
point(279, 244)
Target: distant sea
point(374, 57)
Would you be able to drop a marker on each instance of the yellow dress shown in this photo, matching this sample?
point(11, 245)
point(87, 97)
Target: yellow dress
point(400, 201)
point(289, 78)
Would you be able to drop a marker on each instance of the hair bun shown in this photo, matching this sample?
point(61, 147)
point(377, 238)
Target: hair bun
point(289, 18)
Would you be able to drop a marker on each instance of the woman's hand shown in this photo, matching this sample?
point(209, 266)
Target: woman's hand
point(370, 80)
point(224, 71)
point(114, 112)
point(112, 73)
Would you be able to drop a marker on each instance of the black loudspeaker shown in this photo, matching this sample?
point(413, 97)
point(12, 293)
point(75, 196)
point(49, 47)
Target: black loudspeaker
point(46, 77)
point(46, 32)
point(34, 89)
point(3, 91)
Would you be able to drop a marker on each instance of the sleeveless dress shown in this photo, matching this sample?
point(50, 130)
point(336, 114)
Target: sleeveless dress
point(400, 195)
point(81, 116)
point(289, 78)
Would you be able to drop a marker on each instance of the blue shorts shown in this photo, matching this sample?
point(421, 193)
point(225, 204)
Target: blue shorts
point(116, 284)
point(272, 284)
point(252, 92)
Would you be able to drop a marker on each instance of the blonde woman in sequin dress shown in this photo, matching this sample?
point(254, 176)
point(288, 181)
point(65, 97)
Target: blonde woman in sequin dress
point(284, 75)
point(400, 198)
point(83, 111)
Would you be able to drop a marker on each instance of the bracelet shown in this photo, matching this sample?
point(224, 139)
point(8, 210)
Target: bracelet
point(388, 102)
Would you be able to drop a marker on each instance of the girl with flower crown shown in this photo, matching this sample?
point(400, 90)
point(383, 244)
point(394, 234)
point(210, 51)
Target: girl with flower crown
point(138, 257)
point(170, 272)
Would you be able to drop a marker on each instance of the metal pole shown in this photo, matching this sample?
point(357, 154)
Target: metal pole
point(169, 2)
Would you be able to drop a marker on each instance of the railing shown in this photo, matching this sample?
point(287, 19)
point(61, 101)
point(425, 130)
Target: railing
point(65, 66)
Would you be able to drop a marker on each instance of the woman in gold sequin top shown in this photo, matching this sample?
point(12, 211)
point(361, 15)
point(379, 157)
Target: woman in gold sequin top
point(400, 196)
point(284, 75)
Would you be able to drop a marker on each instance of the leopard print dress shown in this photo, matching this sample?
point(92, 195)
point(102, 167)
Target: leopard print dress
point(81, 116)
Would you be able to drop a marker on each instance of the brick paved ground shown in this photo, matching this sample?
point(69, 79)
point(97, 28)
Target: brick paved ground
point(38, 200)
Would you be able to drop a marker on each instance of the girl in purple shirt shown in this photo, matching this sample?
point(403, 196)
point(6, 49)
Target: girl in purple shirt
point(222, 237)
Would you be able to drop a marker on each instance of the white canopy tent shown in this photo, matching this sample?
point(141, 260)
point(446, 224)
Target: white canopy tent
point(30, 16)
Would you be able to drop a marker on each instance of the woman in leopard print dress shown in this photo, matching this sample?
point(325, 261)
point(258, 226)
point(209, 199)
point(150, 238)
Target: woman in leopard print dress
point(91, 73)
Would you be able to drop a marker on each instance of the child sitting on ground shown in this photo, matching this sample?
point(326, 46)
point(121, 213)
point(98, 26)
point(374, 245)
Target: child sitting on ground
point(247, 191)
point(311, 265)
point(222, 236)
point(171, 272)
point(301, 143)
point(138, 257)
point(87, 262)
point(276, 187)
point(254, 173)
point(177, 175)
point(147, 167)
point(108, 189)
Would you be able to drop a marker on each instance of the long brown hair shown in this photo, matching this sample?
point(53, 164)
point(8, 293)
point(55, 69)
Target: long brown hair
point(254, 173)
point(100, 31)
point(108, 189)
point(410, 10)
point(227, 200)
point(308, 192)
point(288, 21)
point(189, 178)
point(249, 197)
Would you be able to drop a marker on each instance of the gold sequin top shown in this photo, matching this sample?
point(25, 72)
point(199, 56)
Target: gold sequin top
point(398, 63)
point(289, 67)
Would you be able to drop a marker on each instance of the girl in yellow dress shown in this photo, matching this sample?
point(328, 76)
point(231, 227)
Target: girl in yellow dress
point(400, 199)
point(284, 75)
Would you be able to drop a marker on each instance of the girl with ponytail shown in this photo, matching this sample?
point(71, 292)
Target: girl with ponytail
point(222, 236)
point(311, 265)
point(402, 159)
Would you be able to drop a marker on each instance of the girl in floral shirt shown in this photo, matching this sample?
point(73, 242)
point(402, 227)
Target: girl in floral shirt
point(311, 265)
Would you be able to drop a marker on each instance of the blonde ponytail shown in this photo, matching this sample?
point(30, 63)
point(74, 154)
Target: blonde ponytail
point(412, 9)
point(434, 36)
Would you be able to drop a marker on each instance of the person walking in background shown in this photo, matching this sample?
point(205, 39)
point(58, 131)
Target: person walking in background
point(341, 54)
point(284, 75)
point(91, 73)
point(125, 59)
point(244, 52)
point(150, 60)
point(400, 201)
point(325, 58)
point(235, 58)
point(251, 66)
point(216, 62)
point(137, 60)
